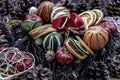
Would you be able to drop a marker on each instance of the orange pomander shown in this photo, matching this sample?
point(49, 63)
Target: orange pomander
point(44, 10)
point(96, 37)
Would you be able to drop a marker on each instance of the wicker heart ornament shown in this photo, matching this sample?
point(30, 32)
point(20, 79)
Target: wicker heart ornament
point(14, 62)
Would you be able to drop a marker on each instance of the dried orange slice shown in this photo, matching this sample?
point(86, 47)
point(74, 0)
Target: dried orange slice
point(100, 15)
point(89, 16)
point(95, 17)
point(41, 30)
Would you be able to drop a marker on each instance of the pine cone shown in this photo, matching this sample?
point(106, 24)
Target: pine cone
point(5, 35)
point(95, 4)
point(45, 0)
point(69, 5)
point(50, 55)
point(40, 73)
point(66, 3)
point(36, 73)
point(18, 14)
point(73, 7)
point(97, 70)
point(25, 4)
point(114, 66)
point(82, 7)
point(14, 23)
point(5, 7)
point(113, 8)
point(22, 10)
point(114, 41)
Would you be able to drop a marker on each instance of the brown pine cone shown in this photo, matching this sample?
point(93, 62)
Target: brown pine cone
point(71, 6)
point(5, 7)
point(45, 0)
point(14, 23)
point(95, 4)
point(50, 55)
point(25, 4)
point(114, 66)
point(82, 7)
point(97, 70)
point(113, 8)
point(40, 73)
point(66, 3)
point(23, 9)
point(5, 35)
point(18, 14)
point(36, 73)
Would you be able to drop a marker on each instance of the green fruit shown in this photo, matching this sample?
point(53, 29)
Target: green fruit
point(52, 41)
point(26, 26)
point(36, 24)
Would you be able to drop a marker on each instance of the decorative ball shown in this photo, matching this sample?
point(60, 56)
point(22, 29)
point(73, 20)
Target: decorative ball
point(26, 26)
point(32, 21)
point(59, 11)
point(96, 37)
point(109, 26)
point(63, 56)
point(61, 25)
point(76, 22)
point(52, 41)
point(33, 18)
point(33, 10)
point(44, 10)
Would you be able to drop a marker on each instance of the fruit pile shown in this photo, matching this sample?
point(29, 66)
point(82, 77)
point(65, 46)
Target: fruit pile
point(14, 62)
point(58, 31)
point(61, 36)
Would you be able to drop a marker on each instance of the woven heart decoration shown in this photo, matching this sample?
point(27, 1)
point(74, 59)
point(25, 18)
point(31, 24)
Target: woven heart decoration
point(14, 62)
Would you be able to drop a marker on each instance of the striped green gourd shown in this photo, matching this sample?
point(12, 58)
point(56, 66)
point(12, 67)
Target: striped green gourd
point(52, 41)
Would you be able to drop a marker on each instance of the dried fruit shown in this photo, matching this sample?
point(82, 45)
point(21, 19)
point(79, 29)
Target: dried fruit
point(14, 62)
point(16, 57)
point(63, 56)
point(50, 55)
point(96, 37)
point(28, 63)
point(19, 66)
point(44, 10)
point(109, 26)
point(52, 41)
